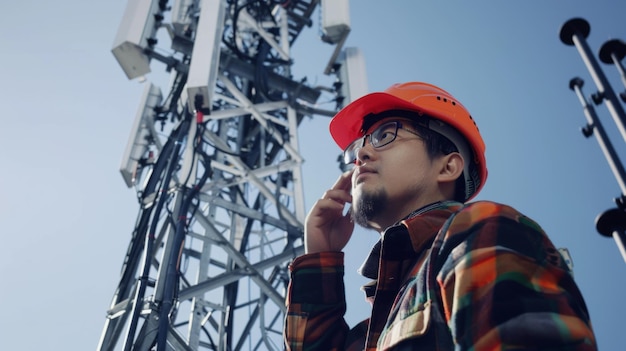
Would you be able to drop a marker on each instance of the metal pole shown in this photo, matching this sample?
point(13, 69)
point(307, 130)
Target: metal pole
point(574, 32)
point(611, 223)
point(594, 125)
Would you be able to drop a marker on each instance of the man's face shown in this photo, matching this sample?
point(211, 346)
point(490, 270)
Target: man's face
point(391, 181)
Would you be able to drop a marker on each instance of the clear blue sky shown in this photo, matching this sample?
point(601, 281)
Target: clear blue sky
point(67, 108)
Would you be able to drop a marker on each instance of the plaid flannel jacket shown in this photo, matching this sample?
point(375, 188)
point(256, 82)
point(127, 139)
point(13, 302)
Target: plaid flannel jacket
point(475, 277)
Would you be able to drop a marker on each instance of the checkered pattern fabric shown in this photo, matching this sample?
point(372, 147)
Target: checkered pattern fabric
point(475, 277)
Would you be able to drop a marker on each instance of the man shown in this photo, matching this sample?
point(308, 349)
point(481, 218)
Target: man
point(446, 274)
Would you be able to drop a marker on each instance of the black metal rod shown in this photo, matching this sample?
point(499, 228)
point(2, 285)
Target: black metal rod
point(574, 32)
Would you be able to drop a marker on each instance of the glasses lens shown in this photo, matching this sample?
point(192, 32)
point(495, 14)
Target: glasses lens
point(380, 137)
point(384, 134)
point(349, 154)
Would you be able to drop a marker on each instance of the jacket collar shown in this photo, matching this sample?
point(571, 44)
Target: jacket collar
point(421, 226)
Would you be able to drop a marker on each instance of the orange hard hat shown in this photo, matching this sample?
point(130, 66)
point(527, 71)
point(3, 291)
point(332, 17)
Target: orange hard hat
point(429, 101)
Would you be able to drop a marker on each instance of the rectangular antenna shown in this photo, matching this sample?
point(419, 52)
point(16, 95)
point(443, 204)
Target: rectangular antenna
point(335, 20)
point(352, 74)
point(138, 140)
point(206, 52)
point(182, 13)
point(137, 26)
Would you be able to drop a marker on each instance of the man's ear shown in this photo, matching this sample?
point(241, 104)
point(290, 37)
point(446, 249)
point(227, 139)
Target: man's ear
point(451, 167)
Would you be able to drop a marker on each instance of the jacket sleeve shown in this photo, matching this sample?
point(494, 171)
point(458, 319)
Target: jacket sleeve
point(505, 286)
point(316, 303)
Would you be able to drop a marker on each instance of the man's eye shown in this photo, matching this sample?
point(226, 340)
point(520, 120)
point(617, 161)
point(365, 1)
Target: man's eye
point(384, 136)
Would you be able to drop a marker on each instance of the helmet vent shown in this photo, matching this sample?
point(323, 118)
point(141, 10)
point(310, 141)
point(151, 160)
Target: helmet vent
point(445, 100)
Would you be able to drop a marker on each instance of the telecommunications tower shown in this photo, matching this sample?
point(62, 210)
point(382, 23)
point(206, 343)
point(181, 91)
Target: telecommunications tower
point(215, 162)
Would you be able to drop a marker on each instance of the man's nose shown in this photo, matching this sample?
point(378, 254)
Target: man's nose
point(365, 151)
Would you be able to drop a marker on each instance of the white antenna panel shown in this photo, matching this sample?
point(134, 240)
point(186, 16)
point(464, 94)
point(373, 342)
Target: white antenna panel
point(138, 25)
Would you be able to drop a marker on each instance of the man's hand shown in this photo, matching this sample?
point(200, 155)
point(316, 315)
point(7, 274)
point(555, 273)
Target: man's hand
point(326, 226)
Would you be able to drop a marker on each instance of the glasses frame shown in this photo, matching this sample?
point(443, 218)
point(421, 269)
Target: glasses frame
point(376, 140)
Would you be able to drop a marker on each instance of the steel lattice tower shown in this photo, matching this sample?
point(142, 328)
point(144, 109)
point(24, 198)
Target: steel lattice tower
point(217, 171)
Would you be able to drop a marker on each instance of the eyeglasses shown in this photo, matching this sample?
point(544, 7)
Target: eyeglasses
point(381, 136)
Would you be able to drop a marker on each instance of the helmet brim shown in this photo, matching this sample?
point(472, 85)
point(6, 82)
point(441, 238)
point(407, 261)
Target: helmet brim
point(347, 124)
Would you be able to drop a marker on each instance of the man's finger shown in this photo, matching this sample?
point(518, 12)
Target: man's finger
point(344, 182)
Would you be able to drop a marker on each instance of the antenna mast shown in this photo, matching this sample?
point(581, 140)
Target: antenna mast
point(574, 32)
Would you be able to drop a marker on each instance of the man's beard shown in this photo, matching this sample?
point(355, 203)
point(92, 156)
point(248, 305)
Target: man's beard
point(368, 206)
